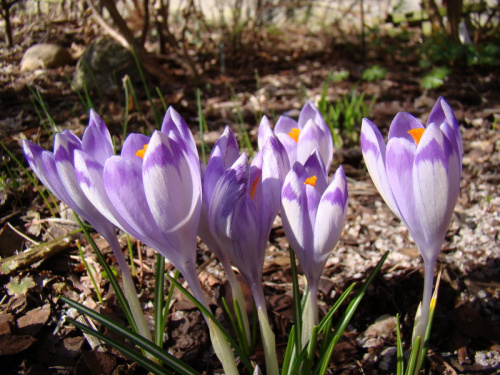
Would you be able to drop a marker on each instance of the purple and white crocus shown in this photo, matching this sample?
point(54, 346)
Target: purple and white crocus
point(418, 174)
point(300, 138)
point(313, 213)
point(57, 171)
point(153, 191)
point(243, 206)
point(224, 153)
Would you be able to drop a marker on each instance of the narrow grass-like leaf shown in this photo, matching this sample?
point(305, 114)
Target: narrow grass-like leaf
point(131, 255)
point(112, 279)
point(146, 363)
point(162, 99)
point(169, 299)
point(127, 106)
point(432, 309)
point(400, 366)
point(209, 315)
point(412, 368)
point(39, 99)
point(90, 273)
point(86, 105)
point(241, 338)
point(324, 322)
point(136, 339)
point(297, 310)
point(241, 326)
point(158, 298)
point(290, 348)
point(311, 349)
point(156, 115)
point(201, 119)
point(344, 321)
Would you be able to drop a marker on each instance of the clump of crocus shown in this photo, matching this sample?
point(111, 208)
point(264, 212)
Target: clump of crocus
point(57, 172)
point(243, 206)
point(153, 191)
point(418, 175)
point(313, 213)
point(300, 138)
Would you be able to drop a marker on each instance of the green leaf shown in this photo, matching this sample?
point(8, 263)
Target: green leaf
point(344, 321)
point(374, 73)
point(16, 287)
point(146, 363)
point(134, 338)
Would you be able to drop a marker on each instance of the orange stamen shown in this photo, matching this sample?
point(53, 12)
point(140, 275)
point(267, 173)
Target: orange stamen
point(254, 186)
point(141, 152)
point(416, 134)
point(311, 180)
point(294, 134)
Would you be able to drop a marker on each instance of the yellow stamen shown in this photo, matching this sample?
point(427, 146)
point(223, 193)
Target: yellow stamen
point(294, 134)
point(311, 180)
point(254, 186)
point(141, 152)
point(416, 134)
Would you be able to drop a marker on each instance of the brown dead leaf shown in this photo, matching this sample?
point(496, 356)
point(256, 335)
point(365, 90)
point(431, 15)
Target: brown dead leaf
point(32, 322)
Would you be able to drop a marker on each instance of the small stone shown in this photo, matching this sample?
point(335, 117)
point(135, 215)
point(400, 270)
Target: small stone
point(45, 56)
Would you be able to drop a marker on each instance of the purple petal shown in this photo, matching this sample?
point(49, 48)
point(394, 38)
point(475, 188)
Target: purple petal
point(96, 140)
point(402, 123)
point(173, 189)
point(294, 211)
point(290, 146)
point(442, 114)
point(330, 220)
point(309, 140)
point(133, 143)
point(275, 167)
point(230, 189)
point(285, 125)
point(176, 128)
point(264, 131)
point(224, 154)
point(248, 249)
point(125, 189)
point(89, 174)
point(373, 148)
point(43, 164)
point(435, 187)
point(399, 163)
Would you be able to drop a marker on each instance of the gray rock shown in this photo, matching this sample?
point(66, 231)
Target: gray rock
point(103, 65)
point(45, 56)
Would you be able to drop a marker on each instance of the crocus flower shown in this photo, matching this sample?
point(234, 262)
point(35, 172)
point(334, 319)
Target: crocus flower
point(223, 155)
point(301, 138)
point(418, 175)
point(313, 213)
point(243, 206)
point(153, 191)
point(57, 172)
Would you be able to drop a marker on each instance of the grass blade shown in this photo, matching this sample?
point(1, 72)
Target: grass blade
point(344, 321)
point(146, 345)
point(146, 363)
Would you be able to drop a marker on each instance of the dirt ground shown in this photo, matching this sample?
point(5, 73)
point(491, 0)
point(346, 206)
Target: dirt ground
point(291, 67)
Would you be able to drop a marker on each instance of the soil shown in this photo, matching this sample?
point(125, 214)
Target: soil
point(271, 77)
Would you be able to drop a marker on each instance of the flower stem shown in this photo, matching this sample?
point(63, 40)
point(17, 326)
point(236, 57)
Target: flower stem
point(421, 329)
point(309, 314)
point(219, 342)
point(238, 296)
point(268, 340)
point(129, 289)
